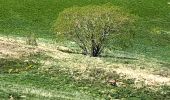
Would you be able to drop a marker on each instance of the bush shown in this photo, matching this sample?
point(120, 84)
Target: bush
point(31, 39)
point(91, 27)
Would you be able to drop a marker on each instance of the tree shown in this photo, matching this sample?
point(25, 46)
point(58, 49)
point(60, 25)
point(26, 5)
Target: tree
point(92, 26)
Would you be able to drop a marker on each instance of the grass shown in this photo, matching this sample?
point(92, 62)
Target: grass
point(33, 16)
point(60, 75)
point(30, 83)
point(21, 17)
point(59, 83)
point(71, 76)
point(34, 86)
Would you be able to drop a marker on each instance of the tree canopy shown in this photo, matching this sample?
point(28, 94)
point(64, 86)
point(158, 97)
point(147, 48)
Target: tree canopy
point(92, 26)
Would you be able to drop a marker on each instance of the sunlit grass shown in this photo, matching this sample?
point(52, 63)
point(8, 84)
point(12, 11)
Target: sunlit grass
point(142, 70)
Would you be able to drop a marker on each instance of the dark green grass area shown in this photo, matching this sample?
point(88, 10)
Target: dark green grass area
point(22, 17)
point(15, 65)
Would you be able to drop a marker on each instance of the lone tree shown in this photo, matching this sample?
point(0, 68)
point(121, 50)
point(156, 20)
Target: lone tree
point(91, 27)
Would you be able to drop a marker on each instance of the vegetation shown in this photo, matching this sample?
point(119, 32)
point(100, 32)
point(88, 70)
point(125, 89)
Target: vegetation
point(56, 82)
point(92, 26)
point(31, 39)
point(34, 16)
point(38, 65)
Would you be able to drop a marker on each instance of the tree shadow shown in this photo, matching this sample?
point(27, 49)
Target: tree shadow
point(123, 58)
point(70, 51)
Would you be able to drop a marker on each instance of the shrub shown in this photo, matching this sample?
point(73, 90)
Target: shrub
point(91, 27)
point(31, 39)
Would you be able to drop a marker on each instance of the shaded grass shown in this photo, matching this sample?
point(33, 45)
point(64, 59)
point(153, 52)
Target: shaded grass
point(15, 65)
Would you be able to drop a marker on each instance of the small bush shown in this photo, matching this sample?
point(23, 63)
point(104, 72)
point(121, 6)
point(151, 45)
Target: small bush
point(31, 39)
point(91, 27)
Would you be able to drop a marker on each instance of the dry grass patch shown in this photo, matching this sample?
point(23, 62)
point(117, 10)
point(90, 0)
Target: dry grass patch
point(140, 70)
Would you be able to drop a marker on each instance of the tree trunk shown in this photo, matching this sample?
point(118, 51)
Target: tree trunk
point(95, 48)
point(85, 52)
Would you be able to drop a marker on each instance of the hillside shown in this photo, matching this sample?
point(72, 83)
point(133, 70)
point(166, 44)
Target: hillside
point(47, 58)
point(23, 17)
point(55, 69)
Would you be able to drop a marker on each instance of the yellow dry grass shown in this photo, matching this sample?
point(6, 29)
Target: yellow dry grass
point(13, 47)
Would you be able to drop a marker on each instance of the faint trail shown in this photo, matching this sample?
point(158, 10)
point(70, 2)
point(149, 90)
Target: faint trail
point(140, 75)
point(17, 48)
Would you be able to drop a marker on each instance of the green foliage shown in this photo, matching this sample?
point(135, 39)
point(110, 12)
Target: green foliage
point(92, 26)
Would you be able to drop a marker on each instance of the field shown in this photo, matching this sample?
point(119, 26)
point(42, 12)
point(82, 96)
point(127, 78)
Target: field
point(55, 70)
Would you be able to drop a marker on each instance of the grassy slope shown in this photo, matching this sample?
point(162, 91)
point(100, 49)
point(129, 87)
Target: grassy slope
point(34, 15)
point(21, 17)
point(51, 74)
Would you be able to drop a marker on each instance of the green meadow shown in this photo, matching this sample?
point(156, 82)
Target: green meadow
point(55, 70)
